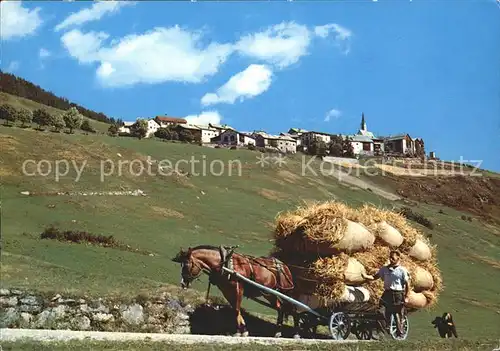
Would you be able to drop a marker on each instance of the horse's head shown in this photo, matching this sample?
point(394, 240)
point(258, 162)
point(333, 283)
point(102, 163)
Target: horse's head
point(190, 270)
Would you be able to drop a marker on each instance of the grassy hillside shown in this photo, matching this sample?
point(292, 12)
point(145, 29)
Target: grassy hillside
point(188, 209)
point(19, 102)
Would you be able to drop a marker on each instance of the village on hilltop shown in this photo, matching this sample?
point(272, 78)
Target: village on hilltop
point(363, 143)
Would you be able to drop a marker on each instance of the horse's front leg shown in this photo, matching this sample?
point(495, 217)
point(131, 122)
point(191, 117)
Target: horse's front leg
point(230, 292)
point(296, 329)
point(279, 322)
point(242, 328)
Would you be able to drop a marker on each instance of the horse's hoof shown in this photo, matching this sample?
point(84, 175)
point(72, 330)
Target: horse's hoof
point(296, 336)
point(277, 335)
point(245, 334)
point(237, 334)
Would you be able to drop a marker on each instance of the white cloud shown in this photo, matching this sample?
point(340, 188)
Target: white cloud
point(252, 81)
point(93, 13)
point(342, 35)
point(18, 21)
point(205, 118)
point(13, 66)
point(324, 31)
point(163, 54)
point(44, 53)
point(85, 47)
point(333, 113)
point(178, 55)
point(282, 45)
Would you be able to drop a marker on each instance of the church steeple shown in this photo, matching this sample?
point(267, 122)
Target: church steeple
point(363, 123)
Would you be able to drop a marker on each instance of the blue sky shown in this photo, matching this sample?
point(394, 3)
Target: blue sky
point(428, 68)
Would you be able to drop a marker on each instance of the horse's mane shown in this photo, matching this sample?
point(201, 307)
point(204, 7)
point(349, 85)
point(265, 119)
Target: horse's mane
point(205, 247)
point(181, 255)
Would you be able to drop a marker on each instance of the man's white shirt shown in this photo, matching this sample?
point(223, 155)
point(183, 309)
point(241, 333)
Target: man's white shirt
point(394, 277)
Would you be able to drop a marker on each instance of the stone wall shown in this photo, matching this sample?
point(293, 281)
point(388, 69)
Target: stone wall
point(159, 314)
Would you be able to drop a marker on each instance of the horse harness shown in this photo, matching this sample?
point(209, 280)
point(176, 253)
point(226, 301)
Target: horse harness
point(227, 261)
point(226, 254)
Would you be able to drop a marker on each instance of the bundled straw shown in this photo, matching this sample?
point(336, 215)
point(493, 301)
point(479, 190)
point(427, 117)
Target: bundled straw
point(328, 245)
point(371, 216)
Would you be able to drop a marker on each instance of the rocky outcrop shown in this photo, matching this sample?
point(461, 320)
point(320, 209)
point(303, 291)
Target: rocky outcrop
point(160, 314)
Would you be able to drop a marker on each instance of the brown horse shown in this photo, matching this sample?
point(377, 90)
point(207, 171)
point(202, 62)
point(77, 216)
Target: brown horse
point(266, 271)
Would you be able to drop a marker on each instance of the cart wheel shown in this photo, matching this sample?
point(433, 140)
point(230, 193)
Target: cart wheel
point(363, 331)
point(393, 328)
point(307, 325)
point(340, 326)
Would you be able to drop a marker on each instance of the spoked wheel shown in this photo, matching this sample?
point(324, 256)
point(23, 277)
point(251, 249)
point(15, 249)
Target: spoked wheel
point(363, 331)
point(307, 325)
point(393, 327)
point(378, 331)
point(339, 325)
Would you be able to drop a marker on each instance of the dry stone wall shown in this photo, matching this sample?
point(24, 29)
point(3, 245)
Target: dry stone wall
point(160, 314)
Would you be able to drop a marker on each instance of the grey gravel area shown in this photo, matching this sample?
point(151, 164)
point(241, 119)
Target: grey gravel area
point(66, 335)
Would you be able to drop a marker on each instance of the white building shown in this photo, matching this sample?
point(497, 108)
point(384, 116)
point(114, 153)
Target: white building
point(165, 121)
point(283, 143)
point(207, 133)
point(400, 144)
point(308, 138)
point(362, 144)
point(126, 127)
point(152, 128)
point(295, 137)
point(287, 144)
point(220, 128)
point(233, 137)
point(296, 133)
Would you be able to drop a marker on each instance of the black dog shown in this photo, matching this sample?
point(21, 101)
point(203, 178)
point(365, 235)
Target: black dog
point(445, 325)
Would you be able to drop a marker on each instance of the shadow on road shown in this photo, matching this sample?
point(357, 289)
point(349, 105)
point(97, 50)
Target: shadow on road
point(221, 320)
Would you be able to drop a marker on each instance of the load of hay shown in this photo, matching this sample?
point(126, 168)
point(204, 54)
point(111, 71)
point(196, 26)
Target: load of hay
point(329, 245)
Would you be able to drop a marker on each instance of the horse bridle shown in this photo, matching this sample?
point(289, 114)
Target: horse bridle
point(191, 277)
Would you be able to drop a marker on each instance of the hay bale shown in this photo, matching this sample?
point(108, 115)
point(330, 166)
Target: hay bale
point(416, 300)
point(355, 294)
point(331, 290)
point(376, 289)
point(422, 279)
point(353, 272)
point(370, 216)
point(339, 236)
point(325, 226)
point(330, 245)
point(432, 268)
point(420, 251)
point(356, 237)
point(373, 259)
point(388, 234)
point(287, 223)
point(431, 298)
point(349, 294)
point(329, 273)
point(304, 279)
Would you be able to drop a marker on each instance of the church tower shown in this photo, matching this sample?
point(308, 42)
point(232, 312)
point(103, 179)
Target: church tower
point(363, 130)
point(363, 123)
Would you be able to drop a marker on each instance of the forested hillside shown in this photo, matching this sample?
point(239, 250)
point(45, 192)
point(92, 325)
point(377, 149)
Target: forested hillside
point(14, 85)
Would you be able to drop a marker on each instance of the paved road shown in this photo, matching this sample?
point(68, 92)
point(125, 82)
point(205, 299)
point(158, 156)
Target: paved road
point(65, 335)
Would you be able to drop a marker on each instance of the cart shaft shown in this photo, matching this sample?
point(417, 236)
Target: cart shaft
point(274, 292)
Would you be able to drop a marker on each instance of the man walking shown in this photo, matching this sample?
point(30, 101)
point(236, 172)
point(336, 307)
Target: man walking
point(396, 287)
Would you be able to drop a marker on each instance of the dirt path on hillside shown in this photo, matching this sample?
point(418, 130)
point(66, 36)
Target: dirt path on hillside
point(363, 184)
point(66, 335)
point(348, 178)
